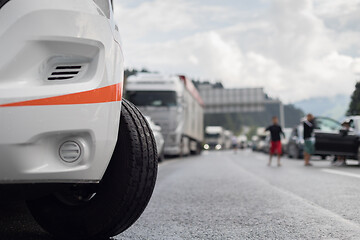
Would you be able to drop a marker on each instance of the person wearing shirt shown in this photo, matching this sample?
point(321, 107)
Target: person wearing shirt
point(275, 145)
point(309, 148)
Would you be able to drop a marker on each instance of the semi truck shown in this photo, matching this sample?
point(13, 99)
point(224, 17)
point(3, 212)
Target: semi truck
point(214, 138)
point(175, 105)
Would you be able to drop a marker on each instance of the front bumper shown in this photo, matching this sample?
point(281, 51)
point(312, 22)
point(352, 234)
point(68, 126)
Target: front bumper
point(36, 37)
point(172, 150)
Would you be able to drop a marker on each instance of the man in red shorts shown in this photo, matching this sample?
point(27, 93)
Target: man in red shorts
point(275, 132)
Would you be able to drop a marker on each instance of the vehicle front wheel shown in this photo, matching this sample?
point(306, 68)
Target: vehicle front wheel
point(100, 211)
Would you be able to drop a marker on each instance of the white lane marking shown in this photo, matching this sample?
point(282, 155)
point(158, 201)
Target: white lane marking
point(307, 202)
point(341, 173)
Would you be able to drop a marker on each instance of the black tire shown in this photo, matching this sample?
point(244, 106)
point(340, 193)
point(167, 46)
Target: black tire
point(120, 197)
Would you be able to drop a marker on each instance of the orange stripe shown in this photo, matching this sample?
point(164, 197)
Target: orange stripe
point(112, 93)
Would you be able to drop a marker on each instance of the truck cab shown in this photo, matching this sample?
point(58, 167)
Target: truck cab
point(173, 103)
point(214, 138)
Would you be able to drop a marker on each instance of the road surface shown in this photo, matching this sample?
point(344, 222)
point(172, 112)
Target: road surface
point(222, 195)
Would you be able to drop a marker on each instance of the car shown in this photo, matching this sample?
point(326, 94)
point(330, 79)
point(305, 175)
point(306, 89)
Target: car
point(159, 139)
point(339, 143)
point(285, 140)
point(323, 126)
point(262, 144)
point(83, 158)
point(267, 144)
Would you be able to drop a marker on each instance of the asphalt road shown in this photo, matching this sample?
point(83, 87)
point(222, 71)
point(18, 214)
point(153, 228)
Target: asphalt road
point(222, 195)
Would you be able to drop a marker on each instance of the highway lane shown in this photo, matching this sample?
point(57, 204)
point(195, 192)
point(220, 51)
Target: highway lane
point(220, 195)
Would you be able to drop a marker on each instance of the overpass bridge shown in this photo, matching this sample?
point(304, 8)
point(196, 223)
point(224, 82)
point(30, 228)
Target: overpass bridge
point(218, 99)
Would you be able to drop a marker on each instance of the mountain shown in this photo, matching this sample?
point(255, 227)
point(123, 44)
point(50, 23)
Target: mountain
point(333, 107)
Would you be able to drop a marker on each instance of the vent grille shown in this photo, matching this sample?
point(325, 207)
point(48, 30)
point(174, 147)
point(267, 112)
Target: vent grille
point(70, 151)
point(65, 72)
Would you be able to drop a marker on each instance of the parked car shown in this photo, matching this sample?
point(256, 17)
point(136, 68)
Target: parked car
point(254, 141)
point(339, 144)
point(323, 126)
point(261, 144)
point(267, 144)
point(243, 142)
point(82, 158)
point(159, 139)
point(285, 140)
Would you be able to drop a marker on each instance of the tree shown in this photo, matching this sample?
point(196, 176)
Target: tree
point(354, 107)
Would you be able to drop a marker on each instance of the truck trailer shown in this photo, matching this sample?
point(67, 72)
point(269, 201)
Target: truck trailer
point(175, 105)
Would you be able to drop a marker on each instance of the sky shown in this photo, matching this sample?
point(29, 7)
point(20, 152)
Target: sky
point(295, 49)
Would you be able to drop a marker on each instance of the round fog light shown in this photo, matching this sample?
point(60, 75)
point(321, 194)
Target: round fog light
point(70, 151)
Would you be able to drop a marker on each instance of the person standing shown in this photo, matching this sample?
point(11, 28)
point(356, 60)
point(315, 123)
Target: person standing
point(234, 143)
point(309, 147)
point(346, 128)
point(275, 145)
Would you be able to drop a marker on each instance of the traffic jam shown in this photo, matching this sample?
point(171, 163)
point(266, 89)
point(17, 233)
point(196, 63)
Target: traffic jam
point(92, 148)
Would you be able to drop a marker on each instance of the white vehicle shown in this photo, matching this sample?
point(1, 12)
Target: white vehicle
point(228, 139)
point(159, 139)
point(214, 138)
point(174, 104)
point(84, 160)
point(243, 141)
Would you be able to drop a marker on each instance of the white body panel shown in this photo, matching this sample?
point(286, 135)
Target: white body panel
point(36, 37)
point(181, 123)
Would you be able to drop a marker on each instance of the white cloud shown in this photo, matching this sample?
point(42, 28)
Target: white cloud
point(292, 48)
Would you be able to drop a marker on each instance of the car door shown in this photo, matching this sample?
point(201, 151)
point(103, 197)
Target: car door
point(329, 141)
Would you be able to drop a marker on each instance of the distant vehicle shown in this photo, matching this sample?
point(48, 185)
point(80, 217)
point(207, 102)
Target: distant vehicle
point(159, 139)
point(324, 126)
point(174, 104)
point(254, 141)
point(259, 140)
point(336, 143)
point(214, 138)
point(261, 143)
point(267, 143)
point(285, 140)
point(228, 139)
point(243, 142)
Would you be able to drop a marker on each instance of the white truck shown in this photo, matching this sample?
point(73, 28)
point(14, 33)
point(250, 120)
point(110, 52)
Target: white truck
point(214, 138)
point(175, 105)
